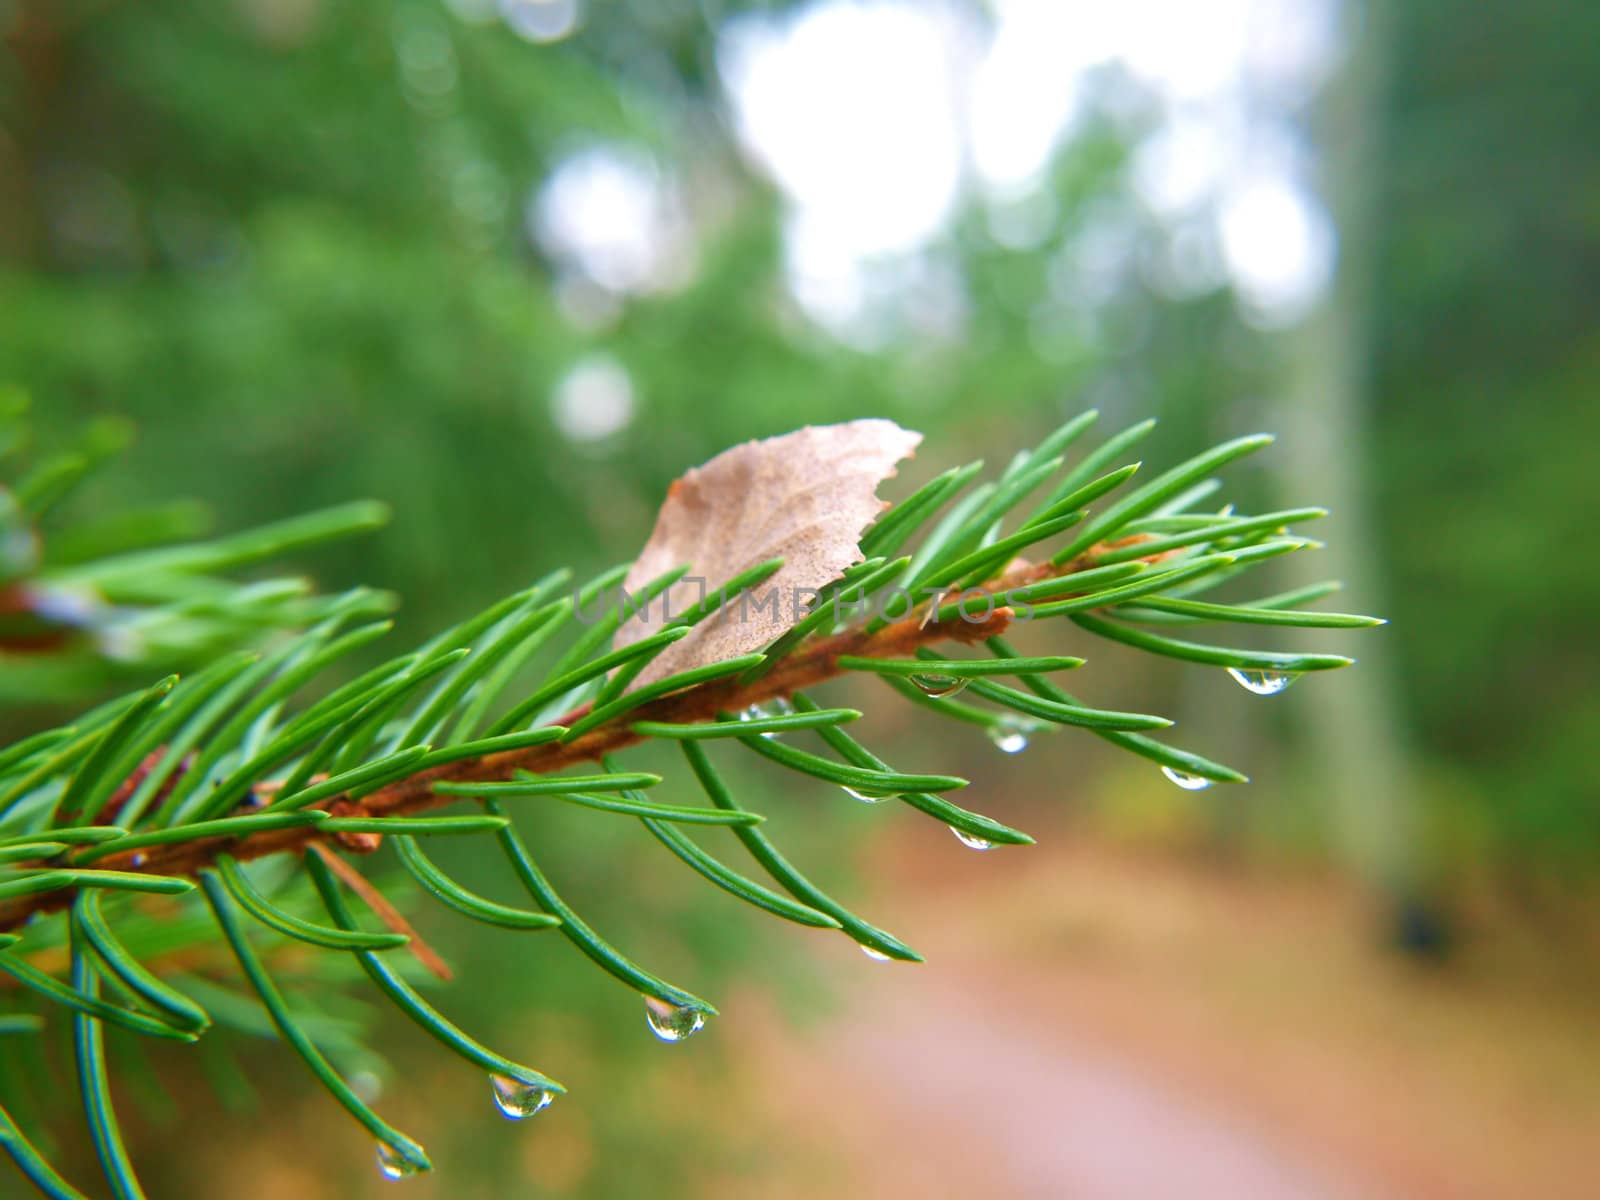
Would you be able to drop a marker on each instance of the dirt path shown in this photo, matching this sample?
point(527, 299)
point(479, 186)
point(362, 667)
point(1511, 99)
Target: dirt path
point(1095, 1027)
point(920, 1089)
point(1051, 1114)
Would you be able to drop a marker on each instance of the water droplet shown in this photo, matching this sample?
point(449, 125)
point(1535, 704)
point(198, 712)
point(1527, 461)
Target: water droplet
point(518, 1100)
point(1263, 683)
point(864, 797)
point(875, 954)
point(778, 707)
point(1010, 735)
point(672, 1022)
point(970, 840)
point(938, 686)
point(138, 860)
point(395, 1165)
point(1188, 782)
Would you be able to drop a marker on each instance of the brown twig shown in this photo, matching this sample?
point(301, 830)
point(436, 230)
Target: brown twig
point(393, 919)
point(813, 663)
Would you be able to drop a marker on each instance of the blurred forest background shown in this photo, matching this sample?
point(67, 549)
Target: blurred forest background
point(514, 267)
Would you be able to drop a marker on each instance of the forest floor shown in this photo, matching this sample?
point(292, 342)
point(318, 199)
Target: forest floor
point(1094, 1023)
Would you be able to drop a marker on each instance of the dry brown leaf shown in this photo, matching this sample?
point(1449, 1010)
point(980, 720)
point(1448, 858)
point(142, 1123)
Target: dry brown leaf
point(804, 497)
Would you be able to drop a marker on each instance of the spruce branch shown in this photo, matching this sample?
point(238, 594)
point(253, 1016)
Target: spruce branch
point(217, 780)
point(418, 792)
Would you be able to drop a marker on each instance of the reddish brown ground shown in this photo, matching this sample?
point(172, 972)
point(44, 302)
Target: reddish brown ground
point(1099, 1024)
